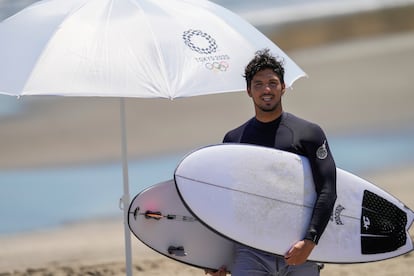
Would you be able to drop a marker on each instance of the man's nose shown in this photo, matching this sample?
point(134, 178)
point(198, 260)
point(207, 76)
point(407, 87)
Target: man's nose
point(267, 88)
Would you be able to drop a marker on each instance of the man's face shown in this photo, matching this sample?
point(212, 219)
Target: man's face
point(266, 90)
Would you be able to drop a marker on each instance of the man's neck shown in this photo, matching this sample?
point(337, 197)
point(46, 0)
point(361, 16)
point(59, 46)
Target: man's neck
point(266, 117)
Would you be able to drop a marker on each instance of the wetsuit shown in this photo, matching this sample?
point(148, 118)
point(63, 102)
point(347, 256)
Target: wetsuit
point(292, 134)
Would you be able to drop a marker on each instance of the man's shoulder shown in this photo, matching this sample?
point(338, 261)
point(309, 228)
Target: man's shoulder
point(301, 127)
point(292, 120)
point(235, 134)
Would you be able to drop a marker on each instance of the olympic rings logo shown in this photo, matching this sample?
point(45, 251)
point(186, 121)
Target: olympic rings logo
point(217, 66)
point(190, 35)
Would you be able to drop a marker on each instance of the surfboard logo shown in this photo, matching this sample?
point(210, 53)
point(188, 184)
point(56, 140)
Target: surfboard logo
point(366, 222)
point(337, 215)
point(338, 211)
point(322, 151)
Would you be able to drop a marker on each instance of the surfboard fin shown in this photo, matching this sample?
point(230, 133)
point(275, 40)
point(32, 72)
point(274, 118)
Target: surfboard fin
point(177, 251)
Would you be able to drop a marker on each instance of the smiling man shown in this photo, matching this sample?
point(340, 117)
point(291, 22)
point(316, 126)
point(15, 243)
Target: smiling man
point(272, 127)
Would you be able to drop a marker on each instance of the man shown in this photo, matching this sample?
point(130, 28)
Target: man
point(272, 127)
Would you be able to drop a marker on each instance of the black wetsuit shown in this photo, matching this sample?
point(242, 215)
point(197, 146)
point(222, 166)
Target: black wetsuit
point(290, 133)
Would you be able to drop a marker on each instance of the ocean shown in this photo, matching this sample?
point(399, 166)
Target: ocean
point(38, 199)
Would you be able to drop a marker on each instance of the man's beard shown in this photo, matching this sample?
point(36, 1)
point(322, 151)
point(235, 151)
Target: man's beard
point(267, 108)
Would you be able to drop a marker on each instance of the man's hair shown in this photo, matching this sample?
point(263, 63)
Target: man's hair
point(263, 59)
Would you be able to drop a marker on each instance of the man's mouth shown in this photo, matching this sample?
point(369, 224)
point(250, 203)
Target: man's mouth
point(267, 98)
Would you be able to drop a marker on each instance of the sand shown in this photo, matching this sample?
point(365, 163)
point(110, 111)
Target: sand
point(353, 85)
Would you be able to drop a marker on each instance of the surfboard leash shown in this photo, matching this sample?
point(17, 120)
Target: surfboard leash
point(157, 215)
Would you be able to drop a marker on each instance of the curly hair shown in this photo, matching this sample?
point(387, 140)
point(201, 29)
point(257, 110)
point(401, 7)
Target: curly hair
point(263, 59)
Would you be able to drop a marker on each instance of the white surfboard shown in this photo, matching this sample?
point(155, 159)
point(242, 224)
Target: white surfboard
point(158, 218)
point(262, 197)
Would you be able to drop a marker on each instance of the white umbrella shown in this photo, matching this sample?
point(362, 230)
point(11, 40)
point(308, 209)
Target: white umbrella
point(128, 48)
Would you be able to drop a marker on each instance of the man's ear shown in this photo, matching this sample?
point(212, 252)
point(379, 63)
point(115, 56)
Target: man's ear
point(249, 92)
point(283, 89)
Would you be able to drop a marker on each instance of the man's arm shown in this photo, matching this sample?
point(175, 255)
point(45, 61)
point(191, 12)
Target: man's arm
point(324, 175)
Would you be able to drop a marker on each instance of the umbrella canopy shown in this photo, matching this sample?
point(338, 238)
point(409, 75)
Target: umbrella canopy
point(129, 48)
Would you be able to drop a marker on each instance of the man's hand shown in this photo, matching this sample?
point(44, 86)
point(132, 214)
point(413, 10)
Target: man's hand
point(299, 252)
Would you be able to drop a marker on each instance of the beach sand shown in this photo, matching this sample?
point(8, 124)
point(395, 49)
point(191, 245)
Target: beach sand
point(353, 85)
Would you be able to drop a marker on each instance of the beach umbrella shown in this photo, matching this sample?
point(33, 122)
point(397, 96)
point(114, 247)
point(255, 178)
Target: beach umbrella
point(128, 48)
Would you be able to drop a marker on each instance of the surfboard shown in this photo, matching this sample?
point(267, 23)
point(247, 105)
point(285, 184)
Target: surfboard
point(159, 219)
point(263, 198)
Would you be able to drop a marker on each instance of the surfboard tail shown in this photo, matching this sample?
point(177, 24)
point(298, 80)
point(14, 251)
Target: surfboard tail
point(410, 215)
point(383, 225)
point(410, 219)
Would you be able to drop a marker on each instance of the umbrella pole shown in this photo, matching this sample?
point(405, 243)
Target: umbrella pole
point(125, 197)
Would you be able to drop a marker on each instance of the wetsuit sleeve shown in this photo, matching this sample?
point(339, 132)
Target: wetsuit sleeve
point(324, 175)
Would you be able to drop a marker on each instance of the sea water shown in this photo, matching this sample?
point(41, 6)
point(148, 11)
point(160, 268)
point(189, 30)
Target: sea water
point(34, 199)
